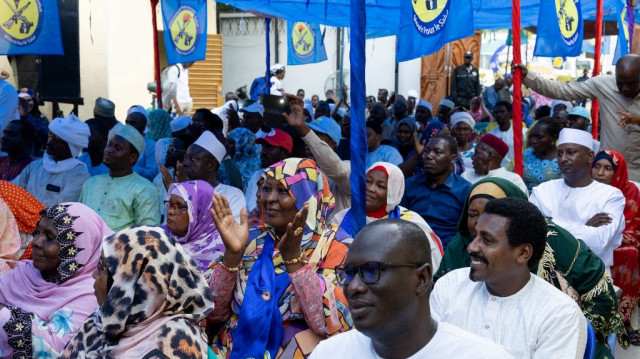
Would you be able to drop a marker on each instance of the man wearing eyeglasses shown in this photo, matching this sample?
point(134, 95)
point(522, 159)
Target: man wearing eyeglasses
point(387, 281)
point(122, 198)
point(499, 299)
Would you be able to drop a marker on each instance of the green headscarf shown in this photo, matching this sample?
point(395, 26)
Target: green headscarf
point(159, 125)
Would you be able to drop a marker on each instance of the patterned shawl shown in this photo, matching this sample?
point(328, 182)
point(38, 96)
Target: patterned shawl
point(202, 241)
point(153, 308)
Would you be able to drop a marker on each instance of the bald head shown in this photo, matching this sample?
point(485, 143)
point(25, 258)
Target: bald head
point(395, 240)
point(628, 75)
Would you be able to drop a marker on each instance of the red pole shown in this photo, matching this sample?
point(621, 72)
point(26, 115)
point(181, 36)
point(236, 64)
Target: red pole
point(517, 88)
point(156, 52)
point(595, 107)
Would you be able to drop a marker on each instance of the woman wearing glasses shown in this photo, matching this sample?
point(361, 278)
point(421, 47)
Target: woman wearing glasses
point(275, 290)
point(45, 300)
point(189, 221)
point(175, 154)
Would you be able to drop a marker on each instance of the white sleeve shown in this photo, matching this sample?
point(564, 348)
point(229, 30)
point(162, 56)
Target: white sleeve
point(563, 334)
point(439, 299)
point(236, 203)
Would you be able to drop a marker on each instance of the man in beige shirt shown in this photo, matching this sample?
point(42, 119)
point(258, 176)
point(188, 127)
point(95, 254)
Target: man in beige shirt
point(616, 94)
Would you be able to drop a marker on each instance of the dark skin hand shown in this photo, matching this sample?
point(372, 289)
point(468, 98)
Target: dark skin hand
point(234, 119)
point(628, 119)
point(296, 118)
point(600, 219)
point(180, 176)
point(523, 69)
point(235, 236)
point(167, 179)
point(408, 165)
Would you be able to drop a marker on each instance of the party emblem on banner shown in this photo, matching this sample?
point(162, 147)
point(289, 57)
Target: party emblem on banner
point(20, 21)
point(625, 28)
point(303, 39)
point(568, 18)
point(430, 16)
point(184, 30)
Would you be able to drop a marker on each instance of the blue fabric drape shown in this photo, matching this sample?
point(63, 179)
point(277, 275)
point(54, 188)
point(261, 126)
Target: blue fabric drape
point(267, 29)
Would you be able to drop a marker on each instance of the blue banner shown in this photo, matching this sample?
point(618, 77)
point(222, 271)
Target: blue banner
point(560, 28)
point(30, 27)
point(306, 43)
point(185, 30)
point(623, 28)
point(426, 25)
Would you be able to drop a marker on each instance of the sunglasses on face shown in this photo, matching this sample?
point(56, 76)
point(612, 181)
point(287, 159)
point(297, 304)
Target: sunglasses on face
point(369, 272)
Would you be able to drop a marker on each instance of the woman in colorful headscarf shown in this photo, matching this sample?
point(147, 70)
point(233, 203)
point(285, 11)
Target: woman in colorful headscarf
point(154, 315)
point(567, 263)
point(278, 278)
point(26, 211)
point(9, 239)
point(45, 301)
point(247, 154)
point(190, 222)
point(159, 125)
point(385, 188)
point(610, 167)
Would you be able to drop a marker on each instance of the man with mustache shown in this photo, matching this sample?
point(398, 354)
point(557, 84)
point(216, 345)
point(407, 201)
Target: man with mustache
point(588, 209)
point(387, 281)
point(498, 298)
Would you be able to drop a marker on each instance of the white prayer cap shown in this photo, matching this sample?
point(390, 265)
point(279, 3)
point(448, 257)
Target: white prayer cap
point(115, 129)
point(462, 117)
point(134, 137)
point(24, 95)
point(210, 142)
point(568, 104)
point(447, 103)
point(412, 93)
point(180, 123)
point(73, 131)
point(139, 109)
point(579, 137)
point(424, 103)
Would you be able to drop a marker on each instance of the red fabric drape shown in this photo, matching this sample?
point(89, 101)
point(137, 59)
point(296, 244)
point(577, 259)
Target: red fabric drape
point(156, 52)
point(517, 88)
point(595, 107)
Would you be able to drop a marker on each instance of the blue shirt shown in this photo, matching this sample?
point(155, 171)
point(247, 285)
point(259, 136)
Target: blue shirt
point(490, 98)
point(147, 166)
point(441, 206)
point(100, 169)
point(384, 153)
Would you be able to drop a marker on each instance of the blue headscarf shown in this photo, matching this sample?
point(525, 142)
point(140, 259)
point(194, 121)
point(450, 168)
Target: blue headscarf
point(247, 156)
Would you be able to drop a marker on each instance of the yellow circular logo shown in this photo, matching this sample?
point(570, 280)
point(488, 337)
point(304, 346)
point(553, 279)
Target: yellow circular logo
point(429, 16)
point(20, 20)
point(569, 19)
point(184, 30)
point(303, 40)
point(557, 62)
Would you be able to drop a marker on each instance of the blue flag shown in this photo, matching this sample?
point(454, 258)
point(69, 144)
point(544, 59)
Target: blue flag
point(560, 28)
point(623, 28)
point(426, 25)
point(30, 27)
point(185, 30)
point(306, 43)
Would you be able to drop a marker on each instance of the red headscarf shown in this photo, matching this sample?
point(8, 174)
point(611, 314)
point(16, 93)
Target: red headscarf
point(631, 233)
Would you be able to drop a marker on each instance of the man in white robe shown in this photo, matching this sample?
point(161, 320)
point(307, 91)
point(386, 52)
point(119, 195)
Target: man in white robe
point(387, 282)
point(590, 210)
point(499, 299)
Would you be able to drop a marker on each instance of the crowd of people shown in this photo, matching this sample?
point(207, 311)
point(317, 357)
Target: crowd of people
point(173, 234)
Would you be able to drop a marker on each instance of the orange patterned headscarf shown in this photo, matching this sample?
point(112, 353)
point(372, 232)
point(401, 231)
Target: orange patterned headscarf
point(25, 208)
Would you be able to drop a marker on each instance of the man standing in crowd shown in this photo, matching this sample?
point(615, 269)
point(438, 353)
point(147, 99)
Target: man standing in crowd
point(17, 142)
point(438, 195)
point(498, 298)
point(122, 198)
point(588, 209)
point(614, 93)
point(179, 75)
point(488, 156)
point(465, 83)
point(387, 279)
point(58, 176)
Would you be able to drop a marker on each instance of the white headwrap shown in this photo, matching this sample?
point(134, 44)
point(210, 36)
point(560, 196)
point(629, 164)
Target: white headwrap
point(210, 142)
point(447, 103)
point(138, 109)
point(560, 102)
point(395, 184)
point(579, 137)
point(462, 117)
point(73, 131)
point(424, 103)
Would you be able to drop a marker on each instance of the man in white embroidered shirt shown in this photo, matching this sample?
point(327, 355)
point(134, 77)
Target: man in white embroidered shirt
point(499, 299)
point(387, 281)
point(590, 210)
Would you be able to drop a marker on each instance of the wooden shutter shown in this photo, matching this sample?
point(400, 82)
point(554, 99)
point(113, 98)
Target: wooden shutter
point(205, 77)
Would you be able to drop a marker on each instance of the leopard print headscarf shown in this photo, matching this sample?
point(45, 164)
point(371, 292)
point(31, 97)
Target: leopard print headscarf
point(157, 299)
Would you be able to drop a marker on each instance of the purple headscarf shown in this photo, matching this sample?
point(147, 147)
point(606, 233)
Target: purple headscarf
point(202, 241)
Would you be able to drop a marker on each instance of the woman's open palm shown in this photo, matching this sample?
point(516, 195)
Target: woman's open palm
point(235, 236)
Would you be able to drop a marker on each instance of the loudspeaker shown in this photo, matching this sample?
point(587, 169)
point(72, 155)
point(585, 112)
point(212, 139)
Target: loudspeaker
point(60, 75)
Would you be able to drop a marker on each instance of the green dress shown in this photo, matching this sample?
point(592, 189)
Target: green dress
point(567, 263)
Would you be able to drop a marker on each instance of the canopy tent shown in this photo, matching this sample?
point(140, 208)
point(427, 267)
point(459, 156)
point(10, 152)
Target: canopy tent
point(383, 16)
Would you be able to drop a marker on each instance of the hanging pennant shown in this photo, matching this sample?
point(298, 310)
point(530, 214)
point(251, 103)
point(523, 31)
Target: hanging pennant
point(426, 25)
point(306, 43)
point(30, 27)
point(560, 28)
point(185, 30)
